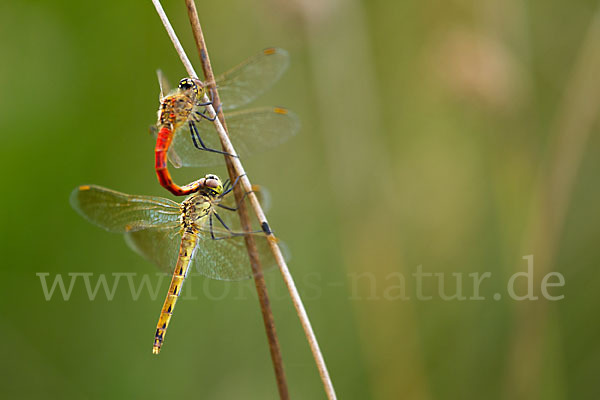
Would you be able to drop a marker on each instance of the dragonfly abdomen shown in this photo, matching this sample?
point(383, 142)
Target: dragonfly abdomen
point(163, 141)
point(187, 248)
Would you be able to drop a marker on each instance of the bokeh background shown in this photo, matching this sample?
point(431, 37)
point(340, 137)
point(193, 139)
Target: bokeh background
point(454, 135)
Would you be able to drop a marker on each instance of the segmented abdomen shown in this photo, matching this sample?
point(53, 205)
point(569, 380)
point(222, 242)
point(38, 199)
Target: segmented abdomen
point(163, 141)
point(189, 240)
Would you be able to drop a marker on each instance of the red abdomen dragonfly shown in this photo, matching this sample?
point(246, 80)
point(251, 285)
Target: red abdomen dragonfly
point(181, 113)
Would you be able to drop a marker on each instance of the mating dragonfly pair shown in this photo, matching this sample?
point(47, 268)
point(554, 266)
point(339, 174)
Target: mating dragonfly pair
point(203, 231)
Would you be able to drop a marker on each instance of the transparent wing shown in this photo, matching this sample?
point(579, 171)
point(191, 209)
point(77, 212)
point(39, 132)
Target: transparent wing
point(243, 83)
point(120, 212)
point(163, 82)
point(250, 131)
point(227, 259)
point(223, 259)
point(157, 245)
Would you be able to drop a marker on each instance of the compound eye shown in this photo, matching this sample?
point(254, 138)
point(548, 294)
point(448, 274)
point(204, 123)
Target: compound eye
point(186, 83)
point(212, 181)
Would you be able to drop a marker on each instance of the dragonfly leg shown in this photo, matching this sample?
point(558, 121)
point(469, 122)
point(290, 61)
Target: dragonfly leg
point(192, 129)
point(213, 95)
point(226, 185)
point(236, 235)
point(203, 114)
point(227, 208)
point(221, 221)
point(212, 233)
point(236, 208)
point(199, 144)
point(231, 233)
point(229, 188)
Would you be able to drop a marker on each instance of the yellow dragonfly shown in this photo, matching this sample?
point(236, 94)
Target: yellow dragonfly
point(251, 131)
point(203, 232)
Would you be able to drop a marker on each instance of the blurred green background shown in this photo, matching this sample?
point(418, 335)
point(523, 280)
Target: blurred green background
point(454, 135)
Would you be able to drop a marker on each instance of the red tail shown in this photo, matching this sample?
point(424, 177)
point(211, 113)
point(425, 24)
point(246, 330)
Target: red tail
point(163, 141)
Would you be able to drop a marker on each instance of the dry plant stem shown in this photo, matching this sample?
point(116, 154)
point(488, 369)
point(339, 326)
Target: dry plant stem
point(245, 182)
point(238, 192)
point(287, 277)
point(259, 279)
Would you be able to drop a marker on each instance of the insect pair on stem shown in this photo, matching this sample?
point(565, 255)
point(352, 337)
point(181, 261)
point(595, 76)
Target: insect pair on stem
point(175, 235)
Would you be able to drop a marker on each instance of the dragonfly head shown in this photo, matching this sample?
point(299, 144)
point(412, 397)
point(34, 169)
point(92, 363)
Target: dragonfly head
point(213, 185)
point(191, 86)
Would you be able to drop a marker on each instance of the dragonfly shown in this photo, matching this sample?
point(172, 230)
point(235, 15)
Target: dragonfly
point(251, 131)
point(202, 232)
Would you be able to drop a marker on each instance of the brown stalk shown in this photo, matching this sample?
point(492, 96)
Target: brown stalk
point(260, 215)
point(259, 279)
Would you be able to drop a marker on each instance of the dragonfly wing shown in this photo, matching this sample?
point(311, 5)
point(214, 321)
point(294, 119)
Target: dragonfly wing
point(226, 259)
point(250, 131)
point(174, 158)
point(256, 130)
point(159, 245)
point(120, 212)
point(245, 82)
point(163, 82)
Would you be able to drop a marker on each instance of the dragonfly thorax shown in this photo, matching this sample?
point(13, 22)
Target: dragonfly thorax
point(175, 110)
point(194, 211)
